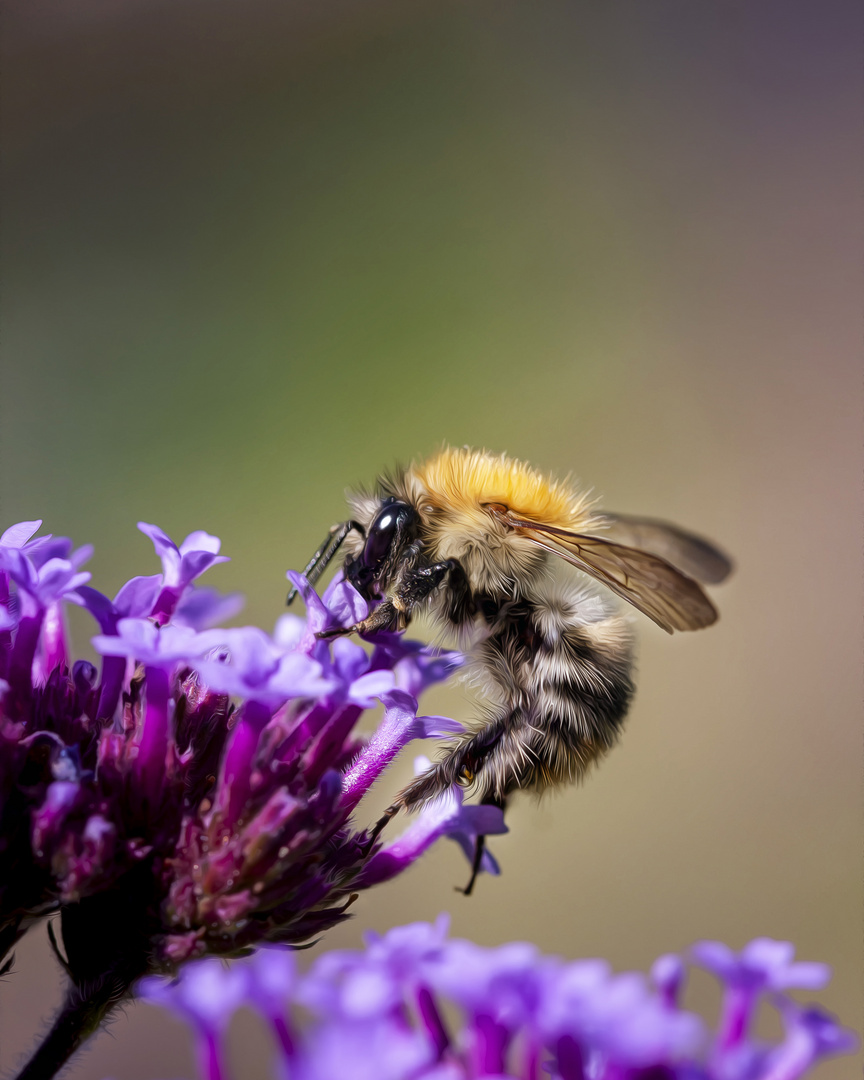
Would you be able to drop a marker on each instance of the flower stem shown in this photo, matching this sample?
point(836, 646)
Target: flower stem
point(428, 1009)
point(83, 1011)
point(53, 639)
point(20, 674)
point(106, 938)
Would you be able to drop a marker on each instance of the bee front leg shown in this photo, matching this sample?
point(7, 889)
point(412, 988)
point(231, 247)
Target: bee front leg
point(323, 556)
point(387, 616)
point(414, 585)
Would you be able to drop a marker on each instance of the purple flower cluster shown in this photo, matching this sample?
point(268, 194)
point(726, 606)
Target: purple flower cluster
point(388, 1013)
point(194, 795)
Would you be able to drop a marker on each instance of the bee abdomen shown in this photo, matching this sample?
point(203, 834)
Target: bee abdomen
point(587, 695)
point(559, 667)
point(552, 737)
point(556, 669)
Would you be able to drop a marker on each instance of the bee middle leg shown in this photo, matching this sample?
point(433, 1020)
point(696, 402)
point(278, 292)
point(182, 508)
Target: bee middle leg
point(463, 763)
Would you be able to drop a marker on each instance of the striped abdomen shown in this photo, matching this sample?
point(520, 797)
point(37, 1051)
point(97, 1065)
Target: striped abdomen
point(555, 670)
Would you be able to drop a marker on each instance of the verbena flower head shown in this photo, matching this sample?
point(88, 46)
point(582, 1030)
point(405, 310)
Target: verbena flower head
point(194, 794)
point(381, 1013)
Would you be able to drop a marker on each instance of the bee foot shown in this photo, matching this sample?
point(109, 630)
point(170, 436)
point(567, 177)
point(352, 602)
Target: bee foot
point(339, 631)
point(479, 849)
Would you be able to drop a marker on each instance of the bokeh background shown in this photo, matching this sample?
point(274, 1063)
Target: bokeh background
point(254, 251)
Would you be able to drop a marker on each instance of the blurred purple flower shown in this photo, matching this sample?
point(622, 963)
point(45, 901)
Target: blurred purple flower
point(206, 999)
point(811, 1036)
point(511, 1013)
point(195, 795)
point(763, 964)
point(668, 974)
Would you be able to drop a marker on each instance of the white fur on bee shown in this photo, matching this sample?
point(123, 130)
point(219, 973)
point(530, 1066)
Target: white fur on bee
point(564, 603)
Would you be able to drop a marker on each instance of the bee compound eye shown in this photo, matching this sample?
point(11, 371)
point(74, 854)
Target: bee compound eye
point(393, 518)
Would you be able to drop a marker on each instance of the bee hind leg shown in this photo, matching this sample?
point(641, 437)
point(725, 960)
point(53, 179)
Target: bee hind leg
point(480, 848)
point(479, 851)
point(430, 784)
point(426, 787)
point(423, 789)
point(461, 765)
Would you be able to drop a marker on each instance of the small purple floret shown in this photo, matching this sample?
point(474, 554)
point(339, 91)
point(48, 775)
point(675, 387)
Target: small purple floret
point(764, 963)
point(180, 565)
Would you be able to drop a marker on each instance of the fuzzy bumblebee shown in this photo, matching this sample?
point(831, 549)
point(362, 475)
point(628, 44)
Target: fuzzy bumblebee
point(475, 538)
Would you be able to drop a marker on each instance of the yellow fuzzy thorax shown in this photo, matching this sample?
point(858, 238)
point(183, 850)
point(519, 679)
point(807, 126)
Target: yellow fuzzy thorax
point(464, 479)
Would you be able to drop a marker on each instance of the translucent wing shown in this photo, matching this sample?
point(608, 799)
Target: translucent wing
point(693, 555)
point(673, 600)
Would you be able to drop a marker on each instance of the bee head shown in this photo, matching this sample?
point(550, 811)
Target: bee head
point(394, 528)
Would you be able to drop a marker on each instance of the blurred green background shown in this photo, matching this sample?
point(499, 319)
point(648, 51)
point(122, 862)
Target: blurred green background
point(257, 250)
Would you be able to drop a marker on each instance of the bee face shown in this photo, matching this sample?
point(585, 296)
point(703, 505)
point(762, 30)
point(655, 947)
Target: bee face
point(391, 532)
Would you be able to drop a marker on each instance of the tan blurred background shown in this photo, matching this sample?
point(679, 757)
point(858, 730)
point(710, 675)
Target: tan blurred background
point(256, 250)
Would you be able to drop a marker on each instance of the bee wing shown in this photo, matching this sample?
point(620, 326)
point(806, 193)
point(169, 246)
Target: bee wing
point(673, 600)
point(691, 554)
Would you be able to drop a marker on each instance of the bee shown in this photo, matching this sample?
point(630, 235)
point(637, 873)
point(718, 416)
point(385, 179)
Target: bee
point(475, 539)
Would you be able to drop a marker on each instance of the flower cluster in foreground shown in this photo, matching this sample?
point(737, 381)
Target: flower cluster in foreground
point(194, 794)
point(388, 1013)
